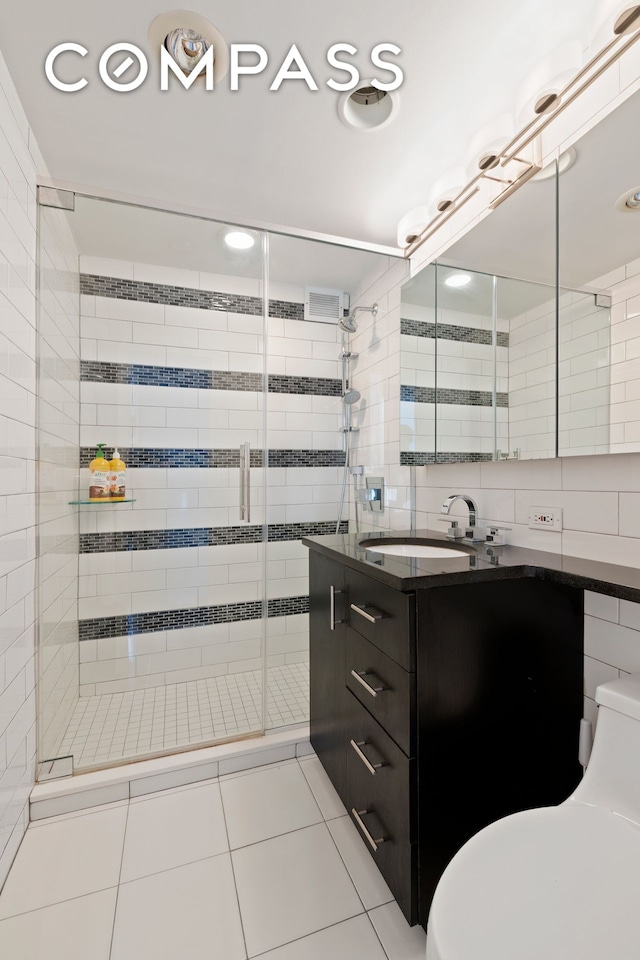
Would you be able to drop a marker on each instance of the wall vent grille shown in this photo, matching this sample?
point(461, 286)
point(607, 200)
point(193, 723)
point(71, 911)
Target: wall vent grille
point(323, 305)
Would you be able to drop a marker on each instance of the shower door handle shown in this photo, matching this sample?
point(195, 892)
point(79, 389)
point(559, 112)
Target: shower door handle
point(245, 481)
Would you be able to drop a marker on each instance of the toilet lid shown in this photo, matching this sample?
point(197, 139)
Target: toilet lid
point(560, 883)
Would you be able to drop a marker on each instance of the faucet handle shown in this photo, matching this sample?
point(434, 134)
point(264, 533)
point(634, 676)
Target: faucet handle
point(494, 535)
point(454, 532)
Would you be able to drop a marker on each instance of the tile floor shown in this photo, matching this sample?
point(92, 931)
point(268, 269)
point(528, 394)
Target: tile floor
point(263, 863)
point(114, 726)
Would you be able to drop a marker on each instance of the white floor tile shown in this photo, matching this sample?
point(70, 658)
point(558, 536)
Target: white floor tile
point(188, 912)
point(291, 886)
point(351, 940)
point(267, 803)
point(368, 880)
point(173, 829)
point(74, 930)
point(400, 941)
point(323, 790)
point(63, 860)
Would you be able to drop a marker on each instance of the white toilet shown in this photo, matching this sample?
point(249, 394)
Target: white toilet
point(557, 883)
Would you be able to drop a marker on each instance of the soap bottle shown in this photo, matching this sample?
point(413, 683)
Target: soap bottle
point(117, 477)
point(99, 479)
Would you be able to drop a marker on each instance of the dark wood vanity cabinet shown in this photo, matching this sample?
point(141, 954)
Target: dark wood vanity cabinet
point(438, 711)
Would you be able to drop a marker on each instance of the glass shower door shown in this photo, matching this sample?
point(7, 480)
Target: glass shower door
point(171, 609)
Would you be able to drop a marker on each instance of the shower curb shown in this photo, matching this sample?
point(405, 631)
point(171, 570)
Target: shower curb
point(129, 780)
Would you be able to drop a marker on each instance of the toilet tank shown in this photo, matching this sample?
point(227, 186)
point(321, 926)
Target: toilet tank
point(612, 778)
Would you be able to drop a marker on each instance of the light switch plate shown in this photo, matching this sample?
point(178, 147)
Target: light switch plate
point(545, 518)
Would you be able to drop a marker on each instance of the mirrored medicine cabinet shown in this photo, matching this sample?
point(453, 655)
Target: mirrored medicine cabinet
point(523, 342)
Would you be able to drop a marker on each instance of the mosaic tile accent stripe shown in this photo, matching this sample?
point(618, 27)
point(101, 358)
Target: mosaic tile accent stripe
point(417, 459)
point(171, 295)
point(212, 459)
point(449, 331)
point(145, 375)
point(129, 624)
point(176, 539)
point(470, 398)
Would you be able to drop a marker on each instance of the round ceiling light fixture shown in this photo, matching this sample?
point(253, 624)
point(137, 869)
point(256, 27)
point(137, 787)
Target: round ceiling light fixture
point(458, 280)
point(629, 202)
point(368, 108)
point(187, 36)
point(239, 240)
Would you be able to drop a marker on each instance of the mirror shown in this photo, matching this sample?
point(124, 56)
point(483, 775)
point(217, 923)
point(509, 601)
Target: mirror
point(478, 343)
point(599, 323)
point(524, 341)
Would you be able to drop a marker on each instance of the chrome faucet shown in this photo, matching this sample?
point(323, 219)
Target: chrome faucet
point(471, 532)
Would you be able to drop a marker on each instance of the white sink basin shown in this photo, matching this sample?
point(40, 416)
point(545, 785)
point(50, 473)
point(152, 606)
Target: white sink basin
point(416, 550)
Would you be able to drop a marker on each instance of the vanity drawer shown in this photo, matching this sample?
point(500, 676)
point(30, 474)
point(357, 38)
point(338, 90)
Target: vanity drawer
point(383, 615)
point(379, 775)
point(382, 687)
point(379, 805)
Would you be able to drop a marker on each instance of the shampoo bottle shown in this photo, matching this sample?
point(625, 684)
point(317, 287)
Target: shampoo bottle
point(117, 477)
point(99, 479)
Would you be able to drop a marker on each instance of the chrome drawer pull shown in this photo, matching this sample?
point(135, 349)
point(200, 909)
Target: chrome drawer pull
point(332, 607)
point(357, 815)
point(374, 691)
point(371, 767)
point(362, 610)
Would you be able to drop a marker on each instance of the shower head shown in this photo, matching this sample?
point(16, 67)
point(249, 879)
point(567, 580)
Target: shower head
point(351, 397)
point(349, 325)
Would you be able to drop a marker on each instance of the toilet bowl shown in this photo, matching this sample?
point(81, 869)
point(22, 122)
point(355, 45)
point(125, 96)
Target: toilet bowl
point(563, 882)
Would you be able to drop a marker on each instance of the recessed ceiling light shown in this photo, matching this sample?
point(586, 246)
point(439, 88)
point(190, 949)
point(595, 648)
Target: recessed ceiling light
point(368, 108)
point(629, 202)
point(239, 240)
point(458, 280)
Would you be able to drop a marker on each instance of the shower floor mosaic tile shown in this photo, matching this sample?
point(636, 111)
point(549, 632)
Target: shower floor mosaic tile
point(112, 727)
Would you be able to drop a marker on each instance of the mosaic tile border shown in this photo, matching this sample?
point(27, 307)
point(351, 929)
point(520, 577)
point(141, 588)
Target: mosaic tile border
point(468, 398)
point(138, 374)
point(159, 457)
point(127, 625)
point(176, 539)
point(115, 288)
point(417, 459)
point(450, 331)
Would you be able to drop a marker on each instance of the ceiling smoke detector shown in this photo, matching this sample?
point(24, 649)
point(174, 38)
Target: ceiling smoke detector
point(368, 108)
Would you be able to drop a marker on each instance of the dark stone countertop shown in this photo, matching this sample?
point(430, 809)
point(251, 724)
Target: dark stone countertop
point(480, 562)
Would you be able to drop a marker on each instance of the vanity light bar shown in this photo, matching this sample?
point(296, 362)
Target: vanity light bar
point(582, 80)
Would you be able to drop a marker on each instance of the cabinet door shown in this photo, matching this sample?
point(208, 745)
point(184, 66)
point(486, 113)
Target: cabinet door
point(327, 665)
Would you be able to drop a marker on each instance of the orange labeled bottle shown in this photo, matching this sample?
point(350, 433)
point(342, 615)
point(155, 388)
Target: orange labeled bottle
point(117, 477)
point(99, 479)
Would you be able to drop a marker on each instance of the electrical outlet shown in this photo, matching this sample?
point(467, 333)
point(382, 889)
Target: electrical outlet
point(545, 518)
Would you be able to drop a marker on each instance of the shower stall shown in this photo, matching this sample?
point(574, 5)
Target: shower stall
point(209, 355)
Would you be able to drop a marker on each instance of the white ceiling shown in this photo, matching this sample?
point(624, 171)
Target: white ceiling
point(283, 158)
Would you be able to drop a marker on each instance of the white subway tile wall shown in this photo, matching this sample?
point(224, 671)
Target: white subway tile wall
point(20, 161)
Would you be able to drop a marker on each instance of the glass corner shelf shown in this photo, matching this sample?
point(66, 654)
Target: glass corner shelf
point(101, 503)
